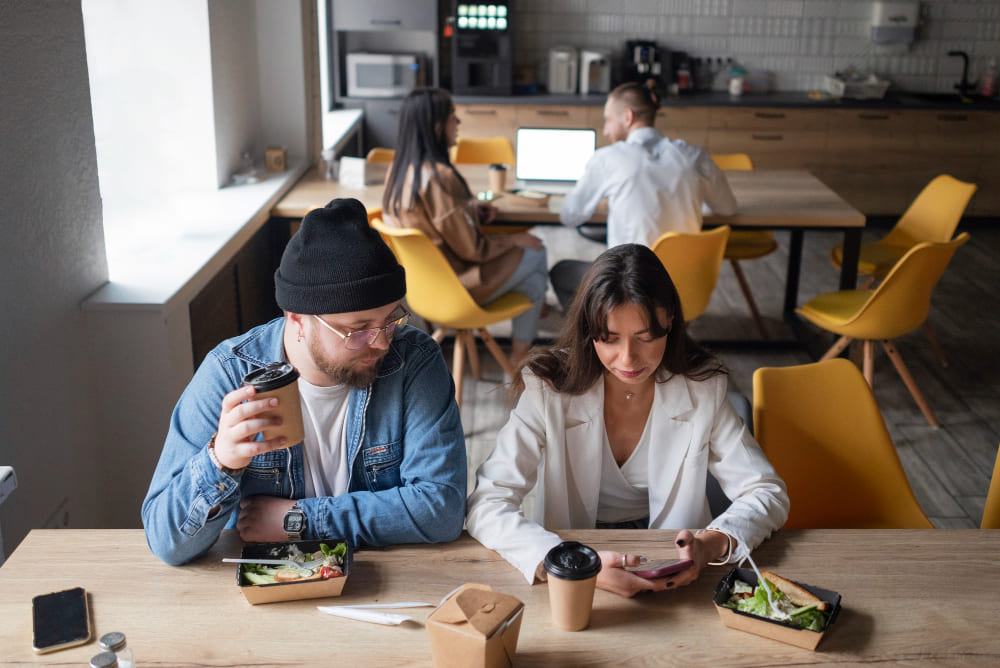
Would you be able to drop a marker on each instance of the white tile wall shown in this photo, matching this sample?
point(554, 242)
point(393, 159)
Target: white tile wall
point(799, 41)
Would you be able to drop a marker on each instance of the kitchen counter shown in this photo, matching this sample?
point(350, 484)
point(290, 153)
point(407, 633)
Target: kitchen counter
point(790, 99)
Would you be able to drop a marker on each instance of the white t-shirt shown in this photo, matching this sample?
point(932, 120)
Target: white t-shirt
point(653, 185)
point(324, 418)
point(625, 490)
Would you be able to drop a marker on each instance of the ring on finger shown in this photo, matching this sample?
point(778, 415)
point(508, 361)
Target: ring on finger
point(624, 560)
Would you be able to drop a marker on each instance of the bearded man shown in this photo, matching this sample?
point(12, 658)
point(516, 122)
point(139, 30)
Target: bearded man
point(383, 457)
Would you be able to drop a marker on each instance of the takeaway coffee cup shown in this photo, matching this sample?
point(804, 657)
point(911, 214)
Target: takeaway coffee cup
point(498, 178)
point(572, 572)
point(278, 379)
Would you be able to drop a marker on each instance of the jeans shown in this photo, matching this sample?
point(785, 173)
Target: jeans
point(531, 279)
point(566, 276)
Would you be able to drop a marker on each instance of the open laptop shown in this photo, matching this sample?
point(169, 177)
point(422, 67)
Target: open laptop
point(551, 160)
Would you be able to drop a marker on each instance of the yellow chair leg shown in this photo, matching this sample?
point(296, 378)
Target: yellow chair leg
point(935, 343)
point(836, 348)
point(911, 385)
point(745, 288)
point(458, 365)
point(497, 353)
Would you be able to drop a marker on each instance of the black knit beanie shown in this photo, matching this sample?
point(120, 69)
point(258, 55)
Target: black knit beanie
point(337, 263)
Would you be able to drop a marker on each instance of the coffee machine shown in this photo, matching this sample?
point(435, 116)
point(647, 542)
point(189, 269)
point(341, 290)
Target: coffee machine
point(482, 53)
point(648, 64)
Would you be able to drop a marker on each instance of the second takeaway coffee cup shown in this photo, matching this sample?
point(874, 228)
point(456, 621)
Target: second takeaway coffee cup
point(572, 573)
point(278, 379)
point(498, 178)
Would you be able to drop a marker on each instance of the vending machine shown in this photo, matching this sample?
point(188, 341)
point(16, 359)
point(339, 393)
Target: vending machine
point(482, 53)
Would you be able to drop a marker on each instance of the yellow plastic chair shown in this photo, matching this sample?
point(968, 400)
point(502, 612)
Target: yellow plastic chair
point(899, 305)
point(693, 262)
point(434, 292)
point(483, 151)
point(379, 154)
point(991, 514)
point(820, 428)
point(933, 216)
point(746, 244)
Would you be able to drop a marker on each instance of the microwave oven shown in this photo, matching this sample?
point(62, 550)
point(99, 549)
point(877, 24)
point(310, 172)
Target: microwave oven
point(384, 74)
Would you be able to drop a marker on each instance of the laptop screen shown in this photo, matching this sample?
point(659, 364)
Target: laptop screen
point(553, 154)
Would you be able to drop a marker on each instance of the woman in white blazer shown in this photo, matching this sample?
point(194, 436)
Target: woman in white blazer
point(618, 424)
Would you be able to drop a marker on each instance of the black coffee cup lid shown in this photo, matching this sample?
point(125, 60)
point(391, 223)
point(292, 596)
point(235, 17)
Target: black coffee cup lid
point(571, 560)
point(271, 377)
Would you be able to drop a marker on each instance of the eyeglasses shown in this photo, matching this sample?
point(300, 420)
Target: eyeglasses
point(366, 337)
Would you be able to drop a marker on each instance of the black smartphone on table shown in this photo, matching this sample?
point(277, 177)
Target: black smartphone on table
point(60, 619)
point(660, 569)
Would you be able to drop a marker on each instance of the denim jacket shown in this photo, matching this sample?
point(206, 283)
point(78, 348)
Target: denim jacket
point(405, 446)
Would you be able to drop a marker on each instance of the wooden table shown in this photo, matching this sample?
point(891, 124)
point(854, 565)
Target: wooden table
point(784, 199)
point(915, 597)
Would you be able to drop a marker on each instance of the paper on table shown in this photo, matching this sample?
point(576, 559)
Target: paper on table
point(387, 618)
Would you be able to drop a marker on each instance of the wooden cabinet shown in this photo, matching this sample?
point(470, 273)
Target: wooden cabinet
point(479, 121)
point(687, 123)
point(876, 159)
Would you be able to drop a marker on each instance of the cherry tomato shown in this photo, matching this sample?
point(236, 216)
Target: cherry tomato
point(328, 572)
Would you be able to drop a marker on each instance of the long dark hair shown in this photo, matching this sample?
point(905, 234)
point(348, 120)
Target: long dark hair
point(421, 139)
point(626, 274)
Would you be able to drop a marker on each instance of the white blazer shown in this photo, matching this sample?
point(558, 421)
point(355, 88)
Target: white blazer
point(556, 440)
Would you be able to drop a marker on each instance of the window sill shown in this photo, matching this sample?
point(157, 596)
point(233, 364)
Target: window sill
point(176, 246)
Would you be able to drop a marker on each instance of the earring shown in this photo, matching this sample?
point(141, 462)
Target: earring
point(300, 336)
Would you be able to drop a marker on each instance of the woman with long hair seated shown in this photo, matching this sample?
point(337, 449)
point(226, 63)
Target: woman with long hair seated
point(619, 423)
point(424, 191)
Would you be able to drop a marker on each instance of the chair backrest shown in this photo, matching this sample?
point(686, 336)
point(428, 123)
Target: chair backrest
point(934, 214)
point(374, 213)
point(991, 514)
point(484, 151)
point(433, 290)
point(379, 154)
point(901, 302)
point(693, 262)
point(820, 428)
point(733, 161)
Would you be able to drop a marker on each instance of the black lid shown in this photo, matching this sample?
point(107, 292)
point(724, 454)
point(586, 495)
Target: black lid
point(571, 560)
point(271, 377)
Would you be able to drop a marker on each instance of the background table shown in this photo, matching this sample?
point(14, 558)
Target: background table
point(914, 597)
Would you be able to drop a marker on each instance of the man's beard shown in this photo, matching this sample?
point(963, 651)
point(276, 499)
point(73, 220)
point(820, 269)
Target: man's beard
point(356, 377)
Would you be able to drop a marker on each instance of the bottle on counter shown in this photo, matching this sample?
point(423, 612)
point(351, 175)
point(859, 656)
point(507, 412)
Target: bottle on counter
point(988, 87)
point(737, 80)
point(115, 642)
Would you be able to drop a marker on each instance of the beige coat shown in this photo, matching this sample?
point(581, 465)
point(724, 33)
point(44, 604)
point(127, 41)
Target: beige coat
point(446, 214)
point(557, 439)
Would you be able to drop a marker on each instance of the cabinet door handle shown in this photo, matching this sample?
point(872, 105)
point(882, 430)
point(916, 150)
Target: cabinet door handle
point(952, 117)
point(764, 114)
point(873, 117)
point(386, 22)
point(481, 112)
point(767, 137)
point(552, 112)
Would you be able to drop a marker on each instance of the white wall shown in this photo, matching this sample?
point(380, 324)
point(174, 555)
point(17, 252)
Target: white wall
point(52, 257)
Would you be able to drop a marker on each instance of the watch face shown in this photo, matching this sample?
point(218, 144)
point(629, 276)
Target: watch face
point(294, 521)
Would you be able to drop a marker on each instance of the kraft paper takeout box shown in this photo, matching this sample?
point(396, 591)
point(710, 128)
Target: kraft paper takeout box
point(768, 628)
point(475, 627)
point(292, 591)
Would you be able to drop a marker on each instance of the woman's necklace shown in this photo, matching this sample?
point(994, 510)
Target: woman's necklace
point(629, 395)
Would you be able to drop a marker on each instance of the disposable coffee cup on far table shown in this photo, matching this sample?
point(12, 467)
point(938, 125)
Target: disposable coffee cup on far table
point(498, 178)
point(278, 379)
point(572, 573)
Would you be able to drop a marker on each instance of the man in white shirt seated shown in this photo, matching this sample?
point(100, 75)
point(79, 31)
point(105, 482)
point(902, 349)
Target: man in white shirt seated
point(653, 184)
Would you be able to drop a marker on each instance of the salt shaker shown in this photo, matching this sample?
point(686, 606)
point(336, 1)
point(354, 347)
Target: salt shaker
point(104, 660)
point(115, 642)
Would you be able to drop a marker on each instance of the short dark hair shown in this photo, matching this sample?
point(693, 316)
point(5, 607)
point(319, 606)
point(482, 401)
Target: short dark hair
point(421, 139)
point(625, 274)
point(641, 99)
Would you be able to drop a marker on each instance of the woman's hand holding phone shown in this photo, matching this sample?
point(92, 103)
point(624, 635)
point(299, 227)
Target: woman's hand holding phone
point(660, 569)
